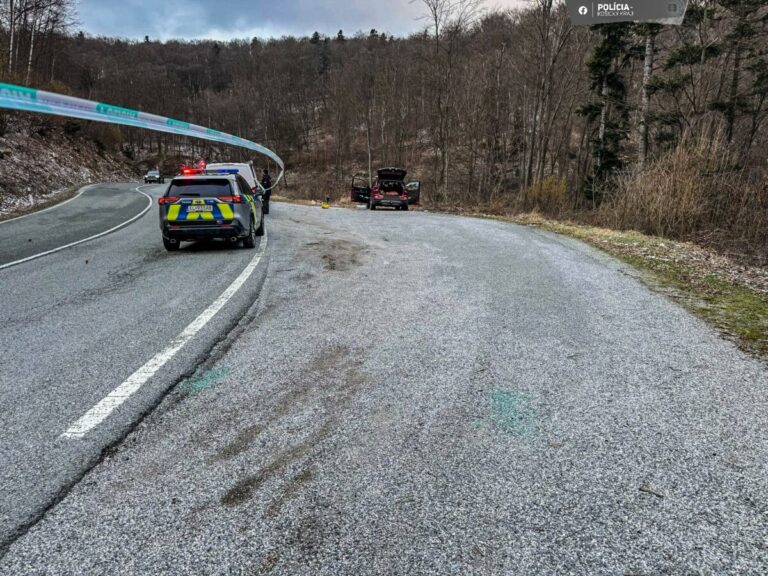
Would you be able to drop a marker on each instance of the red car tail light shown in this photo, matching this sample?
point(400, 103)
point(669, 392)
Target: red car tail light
point(167, 200)
point(231, 199)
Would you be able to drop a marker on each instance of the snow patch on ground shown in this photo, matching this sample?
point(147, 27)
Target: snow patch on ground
point(40, 162)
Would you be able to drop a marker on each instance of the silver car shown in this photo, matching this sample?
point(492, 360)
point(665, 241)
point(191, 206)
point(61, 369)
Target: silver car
point(154, 177)
point(203, 204)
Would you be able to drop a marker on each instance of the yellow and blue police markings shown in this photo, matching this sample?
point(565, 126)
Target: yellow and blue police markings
point(251, 204)
point(187, 211)
point(252, 201)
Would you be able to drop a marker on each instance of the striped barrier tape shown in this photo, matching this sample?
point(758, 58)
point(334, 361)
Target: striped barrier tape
point(25, 99)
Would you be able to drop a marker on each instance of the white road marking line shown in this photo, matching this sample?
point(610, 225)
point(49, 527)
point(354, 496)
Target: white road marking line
point(99, 235)
point(67, 201)
point(114, 399)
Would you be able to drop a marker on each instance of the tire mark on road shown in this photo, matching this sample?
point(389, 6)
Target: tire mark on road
point(340, 368)
point(206, 359)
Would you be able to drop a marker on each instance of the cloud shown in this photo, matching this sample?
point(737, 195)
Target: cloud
point(224, 19)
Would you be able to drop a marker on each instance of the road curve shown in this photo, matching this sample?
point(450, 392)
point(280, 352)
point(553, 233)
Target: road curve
point(94, 211)
point(79, 322)
point(415, 394)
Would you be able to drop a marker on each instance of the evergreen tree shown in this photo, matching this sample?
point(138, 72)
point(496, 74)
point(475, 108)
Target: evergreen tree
point(648, 32)
point(684, 64)
point(749, 23)
point(609, 58)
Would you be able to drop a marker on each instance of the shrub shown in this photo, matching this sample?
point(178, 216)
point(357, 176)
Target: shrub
point(549, 196)
point(695, 192)
point(106, 136)
point(72, 127)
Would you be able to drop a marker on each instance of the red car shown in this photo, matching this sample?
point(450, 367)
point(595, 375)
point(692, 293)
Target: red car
point(360, 191)
point(389, 190)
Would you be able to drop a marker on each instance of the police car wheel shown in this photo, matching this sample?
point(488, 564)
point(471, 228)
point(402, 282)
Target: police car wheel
point(260, 229)
point(171, 245)
point(250, 240)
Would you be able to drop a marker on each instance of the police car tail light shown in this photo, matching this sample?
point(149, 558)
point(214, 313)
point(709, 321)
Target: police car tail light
point(190, 171)
point(167, 200)
point(231, 199)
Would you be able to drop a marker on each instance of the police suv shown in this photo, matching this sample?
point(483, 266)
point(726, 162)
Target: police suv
point(210, 204)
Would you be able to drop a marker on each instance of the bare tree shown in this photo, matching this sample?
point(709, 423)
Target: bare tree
point(449, 21)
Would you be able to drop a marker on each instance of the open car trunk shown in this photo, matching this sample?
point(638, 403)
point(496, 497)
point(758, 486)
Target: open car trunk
point(391, 174)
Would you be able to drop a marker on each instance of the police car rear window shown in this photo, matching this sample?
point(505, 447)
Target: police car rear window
point(200, 188)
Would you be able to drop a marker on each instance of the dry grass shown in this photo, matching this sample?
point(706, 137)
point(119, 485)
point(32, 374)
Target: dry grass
point(549, 196)
point(291, 200)
point(694, 193)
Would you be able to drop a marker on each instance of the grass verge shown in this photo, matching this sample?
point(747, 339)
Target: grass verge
point(731, 297)
point(291, 200)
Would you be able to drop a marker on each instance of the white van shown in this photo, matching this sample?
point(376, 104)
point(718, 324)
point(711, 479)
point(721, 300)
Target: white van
point(245, 170)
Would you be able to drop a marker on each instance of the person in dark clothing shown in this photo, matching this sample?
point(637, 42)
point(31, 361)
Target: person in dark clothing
point(266, 182)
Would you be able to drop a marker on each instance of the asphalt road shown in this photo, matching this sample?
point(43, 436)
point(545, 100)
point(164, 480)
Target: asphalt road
point(95, 210)
point(77, 323)
point(407, 394)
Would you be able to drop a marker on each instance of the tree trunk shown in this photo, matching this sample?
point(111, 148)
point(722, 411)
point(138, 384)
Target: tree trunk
point(368, 142)
point(534, 130)
point(730, 116)
point(31, 50)
point(642, 152)
point(603, 122)
point(12, 33)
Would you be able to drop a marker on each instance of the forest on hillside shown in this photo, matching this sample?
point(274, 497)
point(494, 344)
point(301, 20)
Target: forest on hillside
point(646, 126)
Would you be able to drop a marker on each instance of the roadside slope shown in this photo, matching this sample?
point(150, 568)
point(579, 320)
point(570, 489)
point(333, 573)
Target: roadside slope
point(41, 165)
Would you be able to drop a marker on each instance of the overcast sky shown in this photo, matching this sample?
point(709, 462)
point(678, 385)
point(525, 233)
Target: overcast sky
point(223, 19)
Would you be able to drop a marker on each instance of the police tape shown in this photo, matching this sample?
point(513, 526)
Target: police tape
point(26, 99)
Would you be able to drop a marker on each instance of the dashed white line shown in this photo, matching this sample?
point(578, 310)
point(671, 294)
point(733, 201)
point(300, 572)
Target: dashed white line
point(99, 235)
point(119, 395)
